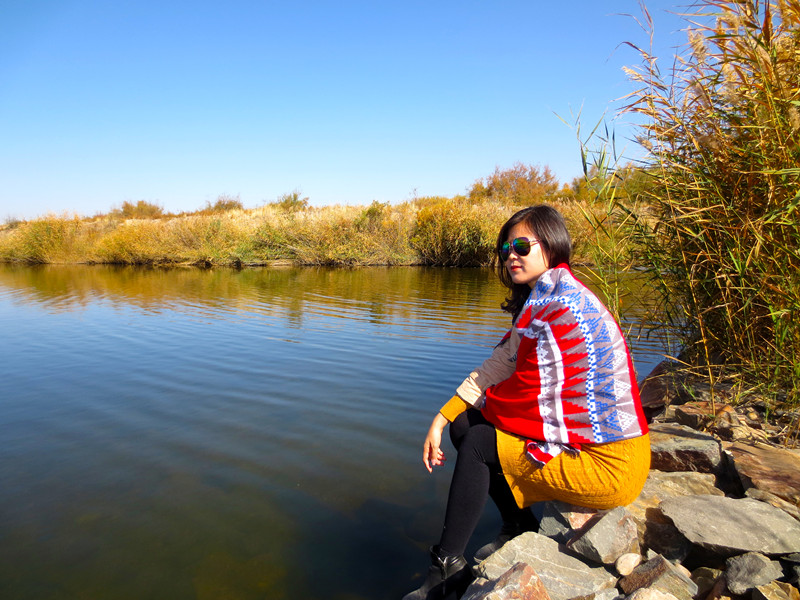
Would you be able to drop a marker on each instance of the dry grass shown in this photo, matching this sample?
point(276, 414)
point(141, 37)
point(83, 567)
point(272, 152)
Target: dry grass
point(430, 231)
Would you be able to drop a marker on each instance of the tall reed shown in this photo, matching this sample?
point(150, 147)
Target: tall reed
point(722, 131)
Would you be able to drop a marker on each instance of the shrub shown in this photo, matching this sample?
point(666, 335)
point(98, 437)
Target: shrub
point(291, 202)
point(455, 232)
point(45, 240)
point(521, 185)
point(12, 222)
point(343, 236)
point(140, 210)
point(223, 204)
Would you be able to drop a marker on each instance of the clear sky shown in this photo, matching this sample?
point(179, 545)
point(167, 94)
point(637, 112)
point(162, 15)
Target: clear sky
point(347, 101)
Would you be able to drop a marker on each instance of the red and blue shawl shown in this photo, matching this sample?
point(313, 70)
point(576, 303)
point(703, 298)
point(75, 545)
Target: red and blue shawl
point(574, 381)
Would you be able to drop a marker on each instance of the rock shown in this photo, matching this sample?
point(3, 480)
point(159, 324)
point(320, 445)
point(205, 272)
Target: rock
point(627, 563)
point(791, 564)
point(661, 485)
point(520, 582)
point(606, 594)
point(657, 532)
point(561, 521)
point(705, 578)
point(718, 591)
point(773, 470)
point(696, 415)
point(732, 526)
point(750, 570)
point(651, 594)
point(773, 500)
point(729, 426)
point(563, 576)
point(676, 447)
point(683, 570)
point(658, 573)
point(683, 517)
point(776, 590)
point(611, 536)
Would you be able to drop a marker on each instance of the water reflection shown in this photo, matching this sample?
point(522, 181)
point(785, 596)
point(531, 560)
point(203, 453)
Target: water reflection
point(403, 296)
point(251, 434)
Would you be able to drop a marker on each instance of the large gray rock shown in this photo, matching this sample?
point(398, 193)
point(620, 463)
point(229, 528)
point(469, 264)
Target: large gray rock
point(611, 536)
point(656, 531)
point(563, 576)
point(773, 500)
point(748, 571)
point(733, 526)
point(675, 447)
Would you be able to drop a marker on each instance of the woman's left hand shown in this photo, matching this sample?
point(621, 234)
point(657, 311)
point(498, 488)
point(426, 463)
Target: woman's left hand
point(432, 454)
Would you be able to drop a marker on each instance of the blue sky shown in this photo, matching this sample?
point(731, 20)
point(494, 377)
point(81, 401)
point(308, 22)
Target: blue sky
point(348, 102)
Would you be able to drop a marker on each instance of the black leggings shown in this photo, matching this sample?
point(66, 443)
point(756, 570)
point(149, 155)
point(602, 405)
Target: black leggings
point(477, 475)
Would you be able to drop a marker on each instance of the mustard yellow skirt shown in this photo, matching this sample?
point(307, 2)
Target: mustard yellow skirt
point(600, 476)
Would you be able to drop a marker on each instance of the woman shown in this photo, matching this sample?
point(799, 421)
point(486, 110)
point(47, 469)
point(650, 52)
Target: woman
point(553, 414)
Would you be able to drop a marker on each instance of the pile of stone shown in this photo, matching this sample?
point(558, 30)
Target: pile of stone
point(718, 519)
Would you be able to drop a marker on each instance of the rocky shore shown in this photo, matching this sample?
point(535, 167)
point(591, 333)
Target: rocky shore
point(718, 519)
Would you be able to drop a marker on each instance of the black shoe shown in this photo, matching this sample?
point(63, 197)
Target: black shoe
point(446, 575)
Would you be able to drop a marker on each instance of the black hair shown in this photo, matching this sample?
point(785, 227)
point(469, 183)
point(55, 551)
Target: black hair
point(549, 227)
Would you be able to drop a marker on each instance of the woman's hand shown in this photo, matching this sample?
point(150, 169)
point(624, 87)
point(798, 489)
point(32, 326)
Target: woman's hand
point(432, 455)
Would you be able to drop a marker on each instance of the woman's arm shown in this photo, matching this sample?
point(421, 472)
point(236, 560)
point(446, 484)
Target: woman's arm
point(498, 367)
point(432, 455)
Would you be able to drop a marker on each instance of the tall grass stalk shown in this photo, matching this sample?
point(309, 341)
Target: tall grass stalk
point(722, 131)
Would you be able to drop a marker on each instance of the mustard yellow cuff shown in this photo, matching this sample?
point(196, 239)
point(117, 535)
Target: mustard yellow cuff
point(454, 407)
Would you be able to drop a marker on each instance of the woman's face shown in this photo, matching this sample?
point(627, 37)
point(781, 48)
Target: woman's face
point(525, 269)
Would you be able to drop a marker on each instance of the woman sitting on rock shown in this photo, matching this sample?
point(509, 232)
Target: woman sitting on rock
point(552, 414)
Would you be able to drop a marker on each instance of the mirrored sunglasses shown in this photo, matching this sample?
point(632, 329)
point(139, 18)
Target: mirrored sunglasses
point(521, 245)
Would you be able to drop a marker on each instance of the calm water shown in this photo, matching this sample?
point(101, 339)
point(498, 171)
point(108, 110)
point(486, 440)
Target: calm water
point(216, 434)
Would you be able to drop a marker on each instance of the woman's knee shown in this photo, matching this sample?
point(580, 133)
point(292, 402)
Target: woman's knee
point(458, 429)
point(463, 423)
point(480, 441)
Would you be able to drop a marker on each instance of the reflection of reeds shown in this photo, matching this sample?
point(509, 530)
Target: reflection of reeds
point(723, 132)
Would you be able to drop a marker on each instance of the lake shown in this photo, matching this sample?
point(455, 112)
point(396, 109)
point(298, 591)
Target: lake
point(187, 433)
